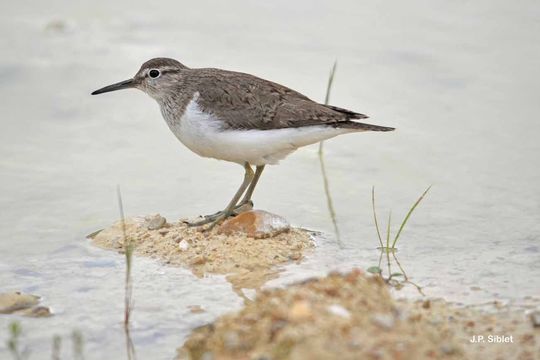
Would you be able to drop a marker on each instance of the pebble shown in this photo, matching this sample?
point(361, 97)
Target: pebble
point(196, 309)
point(155, 222)
point(300, 311)
point(207, 356)
point(448, 349)
point(10, 302)
point(23, 304)
point(384, 321)
point(37, 312)
point(535, 319)
point(339, 310)
point(198, 260)
point(231, 340)
point(256, 224)
point(183, 245)
point(295, 256)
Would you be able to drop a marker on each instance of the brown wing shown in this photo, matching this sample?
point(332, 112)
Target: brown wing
point(244, 101)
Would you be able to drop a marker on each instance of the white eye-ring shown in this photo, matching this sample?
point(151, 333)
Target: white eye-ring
point(154, 73)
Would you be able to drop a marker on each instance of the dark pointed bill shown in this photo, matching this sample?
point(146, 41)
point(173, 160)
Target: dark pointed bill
point(126, 84)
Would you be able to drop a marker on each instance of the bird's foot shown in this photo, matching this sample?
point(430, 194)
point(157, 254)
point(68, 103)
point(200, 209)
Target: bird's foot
point(222, 215)
point(213, 220)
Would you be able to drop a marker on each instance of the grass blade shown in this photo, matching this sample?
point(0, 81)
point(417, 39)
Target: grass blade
point(375, 215)
point(330, 82)
point(388, 231)
point(408, 216)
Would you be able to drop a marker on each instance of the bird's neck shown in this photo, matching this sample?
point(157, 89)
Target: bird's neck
point(173, 106)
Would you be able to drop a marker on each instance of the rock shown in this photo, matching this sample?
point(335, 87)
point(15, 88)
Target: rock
point(183, 245)
point(37, 311)
point(535, 319)
point(198, 260)
point(155, 222)
point(295, 256)
point(231, 340)
point(256, 224)
point(11, 302)
point(196, 309)
point(339, 310)
point(384, 321)
point(300, 311)
point(448, 349)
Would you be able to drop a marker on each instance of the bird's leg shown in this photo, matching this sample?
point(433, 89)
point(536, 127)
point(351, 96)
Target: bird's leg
point(246, 200)
point(216, 218)
point(245, 204)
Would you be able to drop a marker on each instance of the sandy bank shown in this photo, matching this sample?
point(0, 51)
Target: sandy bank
point(353, 316)
point(247, 262)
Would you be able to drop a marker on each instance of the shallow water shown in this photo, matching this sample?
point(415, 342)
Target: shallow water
point(459, 81)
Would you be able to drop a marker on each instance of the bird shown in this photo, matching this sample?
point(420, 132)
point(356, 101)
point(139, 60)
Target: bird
point(238, 117)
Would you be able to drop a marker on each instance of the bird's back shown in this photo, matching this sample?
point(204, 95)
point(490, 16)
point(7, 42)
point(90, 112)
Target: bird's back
point(244, 101)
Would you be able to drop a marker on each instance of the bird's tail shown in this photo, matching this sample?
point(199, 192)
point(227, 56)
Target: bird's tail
point(351, 122)
point(362, 126)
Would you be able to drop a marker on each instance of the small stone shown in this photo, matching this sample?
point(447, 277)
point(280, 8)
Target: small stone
point(37, 311)
point(384, 321)
point(448, 349)
point(231, 340)
point(56, 26)
point(10, 302)
point(183, 245)
point(207, 356)
point(339, 310)
point(535, 319)
point(198, 260)
point(256, 224)
point(196, 309)
point(300, 311)
point(426, 304)
point(295, 256)
point(155, 222)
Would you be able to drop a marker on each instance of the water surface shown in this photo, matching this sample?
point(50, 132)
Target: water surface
point(458, 80)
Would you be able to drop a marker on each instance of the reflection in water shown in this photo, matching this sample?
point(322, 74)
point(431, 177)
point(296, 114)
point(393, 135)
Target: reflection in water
point(329, 201)
point(397, 280)
point(130, 348)
point(392, 278)
point(251, 279)
point(129, 247)
point(452, 109)
point(78, 345)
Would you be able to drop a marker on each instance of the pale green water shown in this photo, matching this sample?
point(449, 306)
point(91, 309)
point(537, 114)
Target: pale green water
point(458, 80)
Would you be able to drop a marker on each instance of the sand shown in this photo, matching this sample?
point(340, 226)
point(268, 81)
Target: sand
point(353, 316)
point(340, 316)
point(246, 262)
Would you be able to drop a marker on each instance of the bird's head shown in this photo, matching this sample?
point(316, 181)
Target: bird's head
point(156, 77)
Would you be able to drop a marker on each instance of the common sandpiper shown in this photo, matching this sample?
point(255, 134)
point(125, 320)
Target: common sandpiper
point(238, 117)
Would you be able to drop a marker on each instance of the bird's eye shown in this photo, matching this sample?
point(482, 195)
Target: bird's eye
point(154, 73)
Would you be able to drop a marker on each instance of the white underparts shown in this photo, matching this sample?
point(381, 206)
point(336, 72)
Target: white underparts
point(202, 133)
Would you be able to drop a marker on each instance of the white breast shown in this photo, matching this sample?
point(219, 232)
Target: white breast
point(202, 133)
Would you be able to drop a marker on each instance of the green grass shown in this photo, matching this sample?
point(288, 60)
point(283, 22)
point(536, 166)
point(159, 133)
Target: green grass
point(13, 343)
point(394, 279)
point(392, 247)
point(78, 345)
point(56, 347)
point(19, 353)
